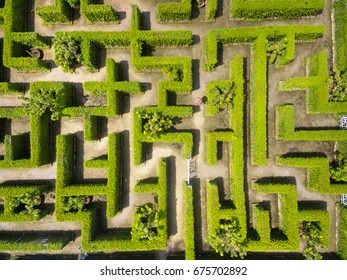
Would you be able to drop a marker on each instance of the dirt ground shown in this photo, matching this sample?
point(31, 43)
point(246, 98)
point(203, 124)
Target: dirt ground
point(199, 122)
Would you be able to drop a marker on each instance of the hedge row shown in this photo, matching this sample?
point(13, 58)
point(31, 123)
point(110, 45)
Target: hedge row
point(60, 12)
point(15, 47)
point(186, 138)
point(288, 211)
point(189, 222)
point(98, 13)
point(340, 34)
point(342, 231)
point(94, 240)
point(9, 192)
point(174, 11)
point(91, 128)
point(65, 166)
point(113, 88)
point(32, 242)
point(259, 104)
point(211, 10)
point(286, 128)
point(9, 88)
point(318, 174)
point(260, 10)
point(317, 85)
point(212, 139)
point(322, 218)
point(250, 34)
point(15, 147)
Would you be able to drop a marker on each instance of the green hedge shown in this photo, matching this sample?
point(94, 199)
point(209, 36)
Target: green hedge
point(264, 9)
point(91, 128)
point(98, 13)
point(32, 242)
point(174, 11)
point(189, 222)
point(342, 232)
point(316, 84)
point(318, 173)
point(340, 34)
point(286, 130)
point(212, 139)
point(211, 10)
point(60, 12)
point(11, 191)
point(15, 46)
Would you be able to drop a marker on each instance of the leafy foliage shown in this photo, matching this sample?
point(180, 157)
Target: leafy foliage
point(146, 221)
point(73, 3)
point(276, 49)
point(67, 51)
point(338, 169)
point(338, 86)
point(228, 239)
point(222, 97)
point(29, 200)
point(311, 232)
point(73, 203)
point(155, 124)
point(42, 101)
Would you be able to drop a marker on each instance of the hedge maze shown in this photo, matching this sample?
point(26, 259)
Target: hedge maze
point(197, 130)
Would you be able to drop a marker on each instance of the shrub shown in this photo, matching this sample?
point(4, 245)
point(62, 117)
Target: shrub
point(338, 86)
point(311, 232)
point(228, 240)
point(67, 51)
point(338, 169)
point(29, 200)
point(155, 124)
point(221, 96)
point(73, 203)
point(41, 102)
point(145, 222)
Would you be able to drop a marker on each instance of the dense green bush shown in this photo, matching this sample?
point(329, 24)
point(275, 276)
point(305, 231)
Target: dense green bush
point(220, 95)
point(145, 222)
point(155, 123)
point(67, 51)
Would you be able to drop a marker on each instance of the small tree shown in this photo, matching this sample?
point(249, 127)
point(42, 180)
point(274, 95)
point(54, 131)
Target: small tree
point(67, 51)
point(276, 49)
point(222, 96)
point(145, 223)
point(228, 239)
point(155, 123)
point(73, 203)
point(30, 200)
point(338, 86)
point(42, 101)
point(73, 3)
point(338, 169)
point(312, 233)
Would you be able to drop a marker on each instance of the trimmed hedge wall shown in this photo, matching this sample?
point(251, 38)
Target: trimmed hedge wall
point(318, 173)
point(97, 12)
point(32, 242)
point(174, 11)
point(189, 229)
point(317, 86)
point(264, 9)
point(340, 34)
point(11, 191)
point(342, 231)
point(285, 129)
point(60, 12)
point(211, 10)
